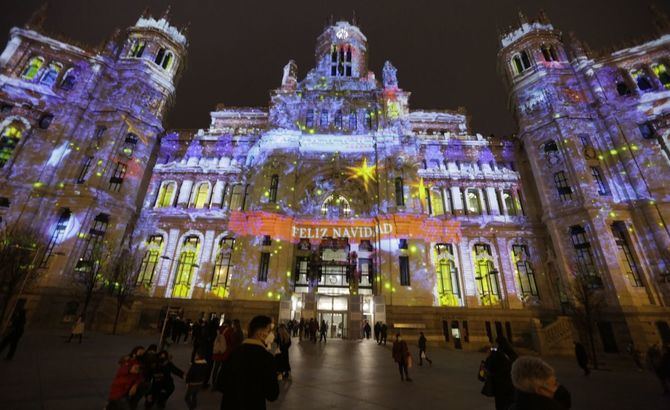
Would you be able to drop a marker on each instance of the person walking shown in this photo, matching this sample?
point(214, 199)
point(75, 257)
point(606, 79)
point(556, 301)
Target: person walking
point(301, 329)
point(282, 358)
point(14, 332)
point(402, 356)
point(422, 350)
point(128, 377)
point(250, 376)
point(195, 379)
point(498, 366)
point(377, 329)
point(322, 331)
point(582, 358)
point(77, 329)
point(162, 386)
point(537, 387)
point(220, 347)
point(383, 333)
point(367, 329)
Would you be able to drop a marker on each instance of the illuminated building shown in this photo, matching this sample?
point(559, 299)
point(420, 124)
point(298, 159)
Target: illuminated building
point(337, 201)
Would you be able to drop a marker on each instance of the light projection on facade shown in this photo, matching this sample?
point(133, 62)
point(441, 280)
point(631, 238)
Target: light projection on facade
point(338, 200)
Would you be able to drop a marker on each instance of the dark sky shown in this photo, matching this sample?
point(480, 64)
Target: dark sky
point(445, 50)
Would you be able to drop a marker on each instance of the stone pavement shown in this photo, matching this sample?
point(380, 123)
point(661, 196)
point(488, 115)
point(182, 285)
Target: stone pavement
point(49, 374)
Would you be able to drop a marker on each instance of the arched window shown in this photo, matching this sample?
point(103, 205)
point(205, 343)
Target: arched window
point(56, 235)
point(32, 68)
point(473, 203)
point(186, 266)
point(486, 276)
point(340, 61)
point(448, 288)
point(221, 273)
point(51, 74)
point(137, 48)
point(640, 77)
point(164, 58)
point(660, 71)
point(520, 62)
point(549, 53)
point(69, 79)
point(524, 270)
point(200, 195)
point(166, 194)
point(150, 260)
point(10, 138)
point(336, 206)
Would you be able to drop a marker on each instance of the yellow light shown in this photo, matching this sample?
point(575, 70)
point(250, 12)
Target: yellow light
point(387, 285)
point(269, 294)
point(365, 172)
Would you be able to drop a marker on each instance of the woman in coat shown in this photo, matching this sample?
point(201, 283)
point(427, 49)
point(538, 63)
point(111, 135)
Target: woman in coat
point(498, 368)
point(282, 358)
point(402, 356)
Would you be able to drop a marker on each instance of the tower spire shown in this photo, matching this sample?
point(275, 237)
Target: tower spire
point(36, 20)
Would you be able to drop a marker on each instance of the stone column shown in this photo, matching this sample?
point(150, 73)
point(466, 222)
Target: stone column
point(185, 192)
point(456, 200)
point(168, 265)
point(482, 202)
point(470, 297)
point(493, 201)
point(217, 195)
point(503, 211)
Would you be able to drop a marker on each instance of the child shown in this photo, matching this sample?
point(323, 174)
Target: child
point(195, 378)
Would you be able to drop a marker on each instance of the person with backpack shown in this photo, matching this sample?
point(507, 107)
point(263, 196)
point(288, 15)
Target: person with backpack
point(402, 356)
point(220, 347)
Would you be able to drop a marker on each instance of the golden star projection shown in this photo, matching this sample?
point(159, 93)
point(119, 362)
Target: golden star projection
point(364, 172)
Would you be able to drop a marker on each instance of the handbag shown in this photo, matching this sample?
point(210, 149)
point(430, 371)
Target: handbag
point(481, 374)
point(409, 361)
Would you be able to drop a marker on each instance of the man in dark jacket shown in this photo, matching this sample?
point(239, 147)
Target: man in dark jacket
point(537, 387)
point(249, 377)
point(582, 358)
point(498, 366)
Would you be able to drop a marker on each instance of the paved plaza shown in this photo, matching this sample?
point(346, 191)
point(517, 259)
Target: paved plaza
point(49, 374)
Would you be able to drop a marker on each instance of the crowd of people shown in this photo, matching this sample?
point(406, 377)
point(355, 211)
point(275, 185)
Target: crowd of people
point(243, 369)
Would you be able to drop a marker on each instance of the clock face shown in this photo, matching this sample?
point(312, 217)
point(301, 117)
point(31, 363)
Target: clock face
point(342, 34)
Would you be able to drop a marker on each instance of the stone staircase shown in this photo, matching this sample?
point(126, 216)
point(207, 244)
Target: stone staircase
point(554, 338)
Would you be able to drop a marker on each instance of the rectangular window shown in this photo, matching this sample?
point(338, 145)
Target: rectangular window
point(323, 122)
point(562, 186)
point(353, 123)
point(509, 202)
point(647, 130)
point(93, 242)
point(274, 184)
point(399, 192)
point(267, 240)
point(585, 264)
point(117, 177)
point(600, 181)
point(309, 119)
point(524, 270)
point(429, 204)
point(56, 236)
point(221, 272)
point(150, 260)
point(84, 169)
point(404, 270)
point(338, 119)
point(626, 258)
point(402, 244)
point(448, 202)
point(263, 267)
point(486, 276)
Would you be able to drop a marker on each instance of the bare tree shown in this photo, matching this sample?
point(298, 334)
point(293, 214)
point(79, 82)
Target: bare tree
point(586, 304)
point(21, 248)
point(122, 282)
point(88, 274)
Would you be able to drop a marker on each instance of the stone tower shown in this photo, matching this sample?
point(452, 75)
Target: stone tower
point(596, 202)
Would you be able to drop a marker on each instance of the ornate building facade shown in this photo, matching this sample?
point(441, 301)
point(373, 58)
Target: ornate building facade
point(339, 202)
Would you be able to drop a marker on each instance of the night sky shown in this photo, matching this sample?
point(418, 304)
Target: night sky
point(445, 50)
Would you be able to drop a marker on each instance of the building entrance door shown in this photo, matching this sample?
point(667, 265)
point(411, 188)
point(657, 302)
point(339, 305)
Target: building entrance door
point(337, 324)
